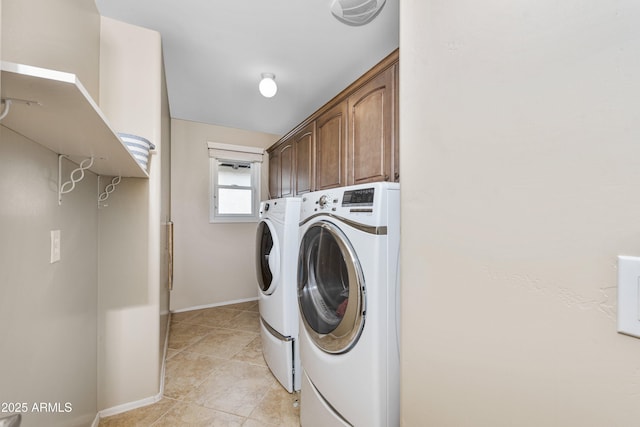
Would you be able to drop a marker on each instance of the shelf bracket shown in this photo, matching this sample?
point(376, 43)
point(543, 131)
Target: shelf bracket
point(76, 176)
point(110, 188)
point(10, 101)
point(5, 110)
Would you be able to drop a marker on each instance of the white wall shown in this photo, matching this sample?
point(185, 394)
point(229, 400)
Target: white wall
point(132, 280)
point(519, 130)
point(213, 263)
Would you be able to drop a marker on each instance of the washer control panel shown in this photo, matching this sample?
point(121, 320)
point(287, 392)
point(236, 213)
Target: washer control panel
point(327, 201)
point(352, 199)
point(361, 203)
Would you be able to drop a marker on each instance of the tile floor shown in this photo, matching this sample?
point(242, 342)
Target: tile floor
point(216, 375)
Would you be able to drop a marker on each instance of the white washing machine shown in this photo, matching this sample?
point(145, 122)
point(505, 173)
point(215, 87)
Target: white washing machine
point(348, 299)
point(276, 258)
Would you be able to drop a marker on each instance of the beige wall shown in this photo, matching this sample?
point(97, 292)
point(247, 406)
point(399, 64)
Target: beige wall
point(133, 281)
point(165, 214)
point(90, 329)
point(519, 131)
point(61, 35)
point(213, 263)
point(48, 311)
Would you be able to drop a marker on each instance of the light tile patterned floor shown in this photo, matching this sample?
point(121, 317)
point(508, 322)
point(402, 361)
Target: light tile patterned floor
point(216, 375)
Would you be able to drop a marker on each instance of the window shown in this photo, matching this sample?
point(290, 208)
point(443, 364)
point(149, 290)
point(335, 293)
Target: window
point(235, 183)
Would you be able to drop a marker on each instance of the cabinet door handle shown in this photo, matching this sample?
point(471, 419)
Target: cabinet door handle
point(396, 176)
point(386, 177)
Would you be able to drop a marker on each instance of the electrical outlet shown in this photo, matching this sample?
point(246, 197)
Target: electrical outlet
point(55, 246)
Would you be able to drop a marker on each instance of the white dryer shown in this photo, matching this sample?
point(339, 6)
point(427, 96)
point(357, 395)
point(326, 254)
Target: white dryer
point(348, 298)
point(276, 258)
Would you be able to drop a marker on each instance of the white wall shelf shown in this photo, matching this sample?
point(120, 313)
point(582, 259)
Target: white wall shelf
point(53, 109)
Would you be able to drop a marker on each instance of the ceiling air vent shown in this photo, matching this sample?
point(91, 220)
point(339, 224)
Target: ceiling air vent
point(356, 12)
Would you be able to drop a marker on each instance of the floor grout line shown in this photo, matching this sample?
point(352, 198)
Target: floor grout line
point(241, 322)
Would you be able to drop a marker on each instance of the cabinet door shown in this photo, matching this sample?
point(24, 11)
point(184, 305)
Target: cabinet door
point(371, 112)
point(285, 152)
point(274, 175)
point(305, 142)
point(330, 151)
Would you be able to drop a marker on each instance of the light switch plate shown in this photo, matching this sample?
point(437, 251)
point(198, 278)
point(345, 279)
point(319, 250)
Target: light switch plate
point(629, 295)
point(55, 246)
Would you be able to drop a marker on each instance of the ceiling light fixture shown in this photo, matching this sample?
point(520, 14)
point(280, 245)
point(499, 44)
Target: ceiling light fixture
point(356, 12)
point(267, 86)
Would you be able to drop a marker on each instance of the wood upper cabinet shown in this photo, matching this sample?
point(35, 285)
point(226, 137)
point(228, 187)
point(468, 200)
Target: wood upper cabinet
point(330, 151)
point(305, 144)
point(291, 164)
point(287, 165)
point(353, 139)
point(370, 148)
point(274, 175)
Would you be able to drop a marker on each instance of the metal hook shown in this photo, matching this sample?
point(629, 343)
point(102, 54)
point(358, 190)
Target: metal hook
point(5, 111)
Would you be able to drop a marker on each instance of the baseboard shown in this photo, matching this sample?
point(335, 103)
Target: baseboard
point(219, 304)
point(115, 410)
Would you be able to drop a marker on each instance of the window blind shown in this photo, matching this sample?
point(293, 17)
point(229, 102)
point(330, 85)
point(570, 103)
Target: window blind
point(221, 151)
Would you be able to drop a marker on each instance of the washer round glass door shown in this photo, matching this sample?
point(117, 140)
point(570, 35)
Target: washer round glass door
point(267, 257)
point(331, 290)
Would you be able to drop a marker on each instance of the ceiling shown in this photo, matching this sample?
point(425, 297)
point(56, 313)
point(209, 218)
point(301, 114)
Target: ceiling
point(215, 51)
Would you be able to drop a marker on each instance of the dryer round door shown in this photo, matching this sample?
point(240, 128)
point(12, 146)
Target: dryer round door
point(331, 288)
point(267, 257)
